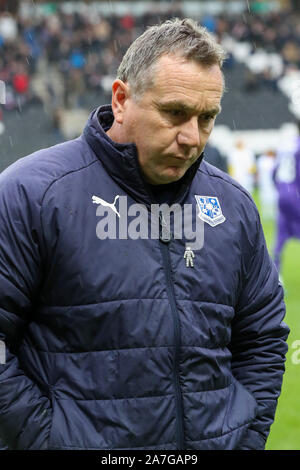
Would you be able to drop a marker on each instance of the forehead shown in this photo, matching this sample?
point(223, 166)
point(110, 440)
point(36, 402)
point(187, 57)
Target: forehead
point(177, 79)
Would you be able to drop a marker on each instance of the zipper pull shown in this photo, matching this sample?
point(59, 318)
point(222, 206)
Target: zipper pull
point(165, 235)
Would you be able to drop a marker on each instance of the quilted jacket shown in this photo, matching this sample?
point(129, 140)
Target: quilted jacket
point(116, 343)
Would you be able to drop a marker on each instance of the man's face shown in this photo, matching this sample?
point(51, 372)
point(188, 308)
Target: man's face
point(171, 122)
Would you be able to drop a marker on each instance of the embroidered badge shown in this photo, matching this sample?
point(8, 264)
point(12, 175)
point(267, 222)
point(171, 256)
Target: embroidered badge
point(210, 210)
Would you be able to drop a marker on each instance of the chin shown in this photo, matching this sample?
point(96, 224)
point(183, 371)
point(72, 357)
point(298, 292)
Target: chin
point(166, 179)
point(169, 175)
point(174, 174)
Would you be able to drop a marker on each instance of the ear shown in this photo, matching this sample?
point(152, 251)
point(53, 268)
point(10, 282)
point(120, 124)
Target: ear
point(120, 95)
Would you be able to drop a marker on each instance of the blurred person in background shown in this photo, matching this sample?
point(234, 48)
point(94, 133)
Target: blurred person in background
point(123, 343)
point(242, 165)
point(213, 156)
point(8, 27)
point(267, 191)
point(287, 180)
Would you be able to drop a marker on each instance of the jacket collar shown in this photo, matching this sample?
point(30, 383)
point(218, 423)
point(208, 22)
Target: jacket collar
point(121, 160)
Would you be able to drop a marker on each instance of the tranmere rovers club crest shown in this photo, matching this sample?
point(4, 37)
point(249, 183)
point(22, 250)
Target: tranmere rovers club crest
point(210, 210)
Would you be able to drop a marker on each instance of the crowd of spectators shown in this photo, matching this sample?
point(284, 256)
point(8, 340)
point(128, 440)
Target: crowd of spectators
point(60, 57)
point(276, 35)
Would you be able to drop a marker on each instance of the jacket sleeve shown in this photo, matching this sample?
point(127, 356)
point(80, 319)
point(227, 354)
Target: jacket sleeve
point(25, 412)
point(259, 336)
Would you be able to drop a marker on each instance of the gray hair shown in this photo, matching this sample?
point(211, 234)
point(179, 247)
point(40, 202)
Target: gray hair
point(184, 38)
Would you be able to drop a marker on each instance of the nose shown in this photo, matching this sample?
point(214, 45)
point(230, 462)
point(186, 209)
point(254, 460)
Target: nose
point(189, 133)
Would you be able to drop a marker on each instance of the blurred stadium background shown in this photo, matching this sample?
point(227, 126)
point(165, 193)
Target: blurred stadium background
point(58, 60)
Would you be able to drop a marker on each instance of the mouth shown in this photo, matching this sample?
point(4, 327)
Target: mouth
point(181, 157)
point(181, 160)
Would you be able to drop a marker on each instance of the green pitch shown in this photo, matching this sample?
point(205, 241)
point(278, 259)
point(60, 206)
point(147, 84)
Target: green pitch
point(285, 431)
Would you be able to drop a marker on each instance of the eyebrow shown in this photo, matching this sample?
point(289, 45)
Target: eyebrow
point(189, 109)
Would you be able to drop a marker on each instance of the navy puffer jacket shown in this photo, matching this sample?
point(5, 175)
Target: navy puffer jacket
point(116, 343)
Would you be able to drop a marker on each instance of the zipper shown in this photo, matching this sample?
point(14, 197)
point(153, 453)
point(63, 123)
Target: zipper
point(165, 236)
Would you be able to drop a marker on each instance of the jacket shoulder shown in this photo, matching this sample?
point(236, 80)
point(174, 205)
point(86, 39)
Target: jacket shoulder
point(227, 181)
point(35, 173)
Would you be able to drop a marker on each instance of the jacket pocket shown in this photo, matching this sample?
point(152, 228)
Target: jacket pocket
point(241, 407)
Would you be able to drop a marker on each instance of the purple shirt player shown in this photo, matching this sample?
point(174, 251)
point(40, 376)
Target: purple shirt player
point(287, 180)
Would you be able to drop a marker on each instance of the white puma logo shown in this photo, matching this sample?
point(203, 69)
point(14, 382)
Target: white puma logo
point(98, 200)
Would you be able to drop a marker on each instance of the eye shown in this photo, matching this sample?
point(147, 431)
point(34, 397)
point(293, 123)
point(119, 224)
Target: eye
point(207, 117)
point(176, 112)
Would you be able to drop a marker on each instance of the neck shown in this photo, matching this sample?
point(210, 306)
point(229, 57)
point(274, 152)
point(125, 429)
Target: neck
point(115, 133)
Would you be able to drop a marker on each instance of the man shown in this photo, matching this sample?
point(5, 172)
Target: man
point(287, 181)
point(138, 343)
